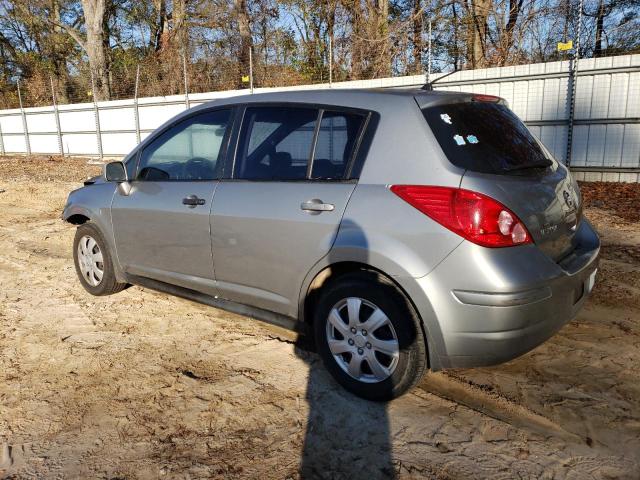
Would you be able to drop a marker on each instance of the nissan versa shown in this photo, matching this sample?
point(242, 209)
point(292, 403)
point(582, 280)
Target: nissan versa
point(407, 229)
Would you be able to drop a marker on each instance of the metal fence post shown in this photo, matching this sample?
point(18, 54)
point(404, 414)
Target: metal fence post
point(573, 80)
point(429, 54)
point(186, 84)
point(96, 114)
point(251, 69)
point(330, 63)
point(57, 117)
point(24, 122)
point(136, 113)
point(1, 141)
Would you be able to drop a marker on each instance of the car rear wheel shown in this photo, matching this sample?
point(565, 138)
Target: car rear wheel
point(369, 336)
point(93, 263)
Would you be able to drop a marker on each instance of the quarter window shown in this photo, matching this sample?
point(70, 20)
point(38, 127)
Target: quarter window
point(337, 139)
point(186, 152)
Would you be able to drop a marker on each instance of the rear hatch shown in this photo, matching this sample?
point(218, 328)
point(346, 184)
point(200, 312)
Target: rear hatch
point(502, 159)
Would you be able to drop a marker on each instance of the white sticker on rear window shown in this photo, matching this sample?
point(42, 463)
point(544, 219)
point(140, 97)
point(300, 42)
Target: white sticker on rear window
point(472, 139)
point(459, 139)
point(445, 118)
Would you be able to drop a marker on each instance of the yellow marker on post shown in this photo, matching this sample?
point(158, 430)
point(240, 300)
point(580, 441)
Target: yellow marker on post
point(245, 79)
point(564, 46)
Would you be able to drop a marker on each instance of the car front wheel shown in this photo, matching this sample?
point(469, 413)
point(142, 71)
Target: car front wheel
point(93, 262)
point(369, 336)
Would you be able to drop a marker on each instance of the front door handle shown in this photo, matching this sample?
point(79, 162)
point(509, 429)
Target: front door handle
point(316, 206)
point(192, 201)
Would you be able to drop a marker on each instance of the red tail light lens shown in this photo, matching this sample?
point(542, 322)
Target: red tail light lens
point(474, 216)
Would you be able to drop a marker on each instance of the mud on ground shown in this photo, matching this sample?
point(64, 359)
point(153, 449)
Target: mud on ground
point(143, 385)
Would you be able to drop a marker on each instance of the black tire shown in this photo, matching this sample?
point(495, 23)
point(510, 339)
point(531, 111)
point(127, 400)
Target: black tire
point(108, 285)
point(382, 293)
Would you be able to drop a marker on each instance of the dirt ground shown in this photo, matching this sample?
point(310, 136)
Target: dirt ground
point(142, 385)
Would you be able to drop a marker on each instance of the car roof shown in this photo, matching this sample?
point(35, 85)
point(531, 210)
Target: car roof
point(368, 98)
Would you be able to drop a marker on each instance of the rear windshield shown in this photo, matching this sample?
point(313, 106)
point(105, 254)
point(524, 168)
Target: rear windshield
point(485, 137)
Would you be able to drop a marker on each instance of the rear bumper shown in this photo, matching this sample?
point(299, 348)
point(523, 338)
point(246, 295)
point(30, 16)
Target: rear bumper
point(486, 306)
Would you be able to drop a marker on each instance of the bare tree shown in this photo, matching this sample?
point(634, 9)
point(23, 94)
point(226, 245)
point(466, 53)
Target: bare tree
point(478, 13)
point(514, 8)
point(417, 39)
point(244, 30)
point(94, 43)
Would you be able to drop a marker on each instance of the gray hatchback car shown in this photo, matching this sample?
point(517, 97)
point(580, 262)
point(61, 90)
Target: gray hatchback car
point(406, 229)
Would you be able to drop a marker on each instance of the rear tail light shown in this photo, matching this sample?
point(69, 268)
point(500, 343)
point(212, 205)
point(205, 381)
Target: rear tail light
point(474, 216)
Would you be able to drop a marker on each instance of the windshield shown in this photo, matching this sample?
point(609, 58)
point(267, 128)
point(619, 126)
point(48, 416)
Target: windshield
point(485, 137)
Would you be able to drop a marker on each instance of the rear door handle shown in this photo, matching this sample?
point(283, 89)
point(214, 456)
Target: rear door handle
point(192, 201)
point(316, 206)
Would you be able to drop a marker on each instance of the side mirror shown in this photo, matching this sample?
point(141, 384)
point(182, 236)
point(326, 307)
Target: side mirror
point(115, 172)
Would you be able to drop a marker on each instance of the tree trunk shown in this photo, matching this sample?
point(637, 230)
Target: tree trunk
point(244, 29)
point(597, 52)
point(514, 12)
point(478, 35)
point(357, 54)
point(382, 46)
point(180, 33)
point(456, 47)
point(161, 28)
point(59, 61)
point(94, 16)
point(418, 43)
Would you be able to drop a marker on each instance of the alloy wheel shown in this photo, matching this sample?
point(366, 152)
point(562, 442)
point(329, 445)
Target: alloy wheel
point(90, 260)
point(362, 340)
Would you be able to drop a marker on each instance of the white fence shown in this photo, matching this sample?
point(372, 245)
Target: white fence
point(606, 125)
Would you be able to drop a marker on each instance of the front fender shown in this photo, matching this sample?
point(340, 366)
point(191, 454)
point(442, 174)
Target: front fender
point(94, 202)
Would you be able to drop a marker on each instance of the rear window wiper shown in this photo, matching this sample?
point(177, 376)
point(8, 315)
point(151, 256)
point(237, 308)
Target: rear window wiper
point(531, 166)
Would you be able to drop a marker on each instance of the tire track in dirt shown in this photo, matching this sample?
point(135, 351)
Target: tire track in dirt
point(495, 406)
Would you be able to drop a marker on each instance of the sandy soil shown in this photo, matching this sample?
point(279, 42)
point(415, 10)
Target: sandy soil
point(144, 385)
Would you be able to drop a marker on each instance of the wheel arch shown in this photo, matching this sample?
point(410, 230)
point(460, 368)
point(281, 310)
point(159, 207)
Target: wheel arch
point(76, 214)
point(77, 219)
point(330, 272)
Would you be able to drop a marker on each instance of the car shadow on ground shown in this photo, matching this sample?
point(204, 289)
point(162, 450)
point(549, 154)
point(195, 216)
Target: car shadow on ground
point(346, 437)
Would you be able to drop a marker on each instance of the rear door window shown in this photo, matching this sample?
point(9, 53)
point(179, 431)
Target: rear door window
point(486, 137)
point(285, 143)
point(276, 143)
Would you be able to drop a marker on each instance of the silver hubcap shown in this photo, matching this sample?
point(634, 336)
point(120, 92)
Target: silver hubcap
point(90, 261)
point(362, 340)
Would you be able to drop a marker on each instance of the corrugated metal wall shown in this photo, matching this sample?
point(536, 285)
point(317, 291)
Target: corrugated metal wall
point(606, 130)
